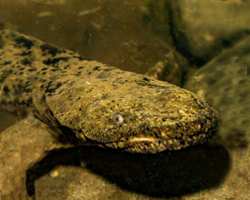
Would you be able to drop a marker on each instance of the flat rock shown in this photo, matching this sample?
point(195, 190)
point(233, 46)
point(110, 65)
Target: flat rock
point(21, 145)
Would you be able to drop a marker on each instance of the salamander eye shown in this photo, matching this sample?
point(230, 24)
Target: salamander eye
point(201, 103)
point(118, 119)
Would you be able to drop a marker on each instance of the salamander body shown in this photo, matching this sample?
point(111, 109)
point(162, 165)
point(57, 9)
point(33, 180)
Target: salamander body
point(98, 103)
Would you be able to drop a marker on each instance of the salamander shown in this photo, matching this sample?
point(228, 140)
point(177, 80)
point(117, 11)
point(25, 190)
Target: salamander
point(96, 103)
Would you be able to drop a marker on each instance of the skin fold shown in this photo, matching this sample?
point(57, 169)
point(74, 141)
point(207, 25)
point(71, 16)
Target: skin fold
point(95, 103)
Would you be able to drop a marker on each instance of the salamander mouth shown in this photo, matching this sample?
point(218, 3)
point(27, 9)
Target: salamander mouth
point(156, 145)
point(174, 138)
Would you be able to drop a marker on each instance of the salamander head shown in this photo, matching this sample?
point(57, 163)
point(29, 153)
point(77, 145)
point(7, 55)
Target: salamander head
point(150, 119)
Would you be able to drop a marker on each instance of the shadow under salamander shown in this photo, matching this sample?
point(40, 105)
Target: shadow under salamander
point(160, 175)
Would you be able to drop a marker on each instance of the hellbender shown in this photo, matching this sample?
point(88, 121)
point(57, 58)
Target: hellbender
point(98, 104)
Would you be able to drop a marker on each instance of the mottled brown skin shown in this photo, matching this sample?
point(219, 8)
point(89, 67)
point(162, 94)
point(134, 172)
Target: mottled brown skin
point(99, 103)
